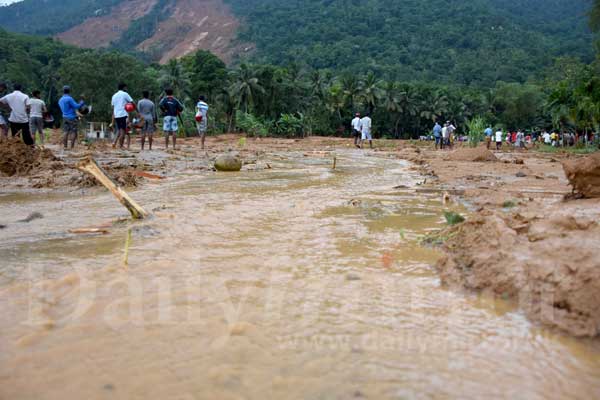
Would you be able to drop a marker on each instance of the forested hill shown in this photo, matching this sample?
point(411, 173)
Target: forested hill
point(476, 42)
point(470, 41)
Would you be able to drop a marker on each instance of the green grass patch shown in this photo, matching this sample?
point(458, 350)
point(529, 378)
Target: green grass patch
point(453, 218)
point(509, 204)
point(573, 150)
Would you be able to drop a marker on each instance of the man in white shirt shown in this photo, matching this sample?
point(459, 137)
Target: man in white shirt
point(451, 130)
point(499, 135)
point(546, 137)
point(445, 136)
point(356, 129)
point(365, 126)
point(37, 108)
point(202, 125)
point(120, 114)
point(19, 120)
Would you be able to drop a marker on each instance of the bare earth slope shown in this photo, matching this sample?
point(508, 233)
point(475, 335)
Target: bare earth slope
point(194, 25)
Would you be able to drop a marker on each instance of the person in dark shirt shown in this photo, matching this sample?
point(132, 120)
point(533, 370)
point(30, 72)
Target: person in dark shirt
point(171, 107)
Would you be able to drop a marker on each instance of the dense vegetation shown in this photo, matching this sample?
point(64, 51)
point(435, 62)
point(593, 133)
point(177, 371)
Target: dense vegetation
point(475, 42)
point(49, 17)
point(297, 99)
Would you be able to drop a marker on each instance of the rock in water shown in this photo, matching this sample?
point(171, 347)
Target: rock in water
point(228, 162)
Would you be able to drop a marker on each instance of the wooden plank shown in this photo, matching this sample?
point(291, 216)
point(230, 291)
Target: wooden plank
point(90, 166)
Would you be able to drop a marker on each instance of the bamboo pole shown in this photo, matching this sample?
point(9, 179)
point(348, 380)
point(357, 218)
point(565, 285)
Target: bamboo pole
point(90, 166)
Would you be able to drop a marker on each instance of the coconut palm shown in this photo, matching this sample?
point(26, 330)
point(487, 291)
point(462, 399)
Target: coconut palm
point(370, 91)
point(245, 88)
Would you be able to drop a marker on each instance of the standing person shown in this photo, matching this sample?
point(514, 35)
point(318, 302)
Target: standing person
point(546, 137)
point(499, 136)
point(147, 111)
point(69, 108)
point(444, 136)
point(488, 136)
point(365, 126)
point(171, 107)
point(3, 115)
point(520, 140)
point(451, 130)
point(356, 129)
point(18, 119)
point(437, 135)
point(37, 108)
point(202, 125)
point(120, 114)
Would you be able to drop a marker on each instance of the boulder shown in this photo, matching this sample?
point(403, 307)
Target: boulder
point(228, 162)
point(584, 175)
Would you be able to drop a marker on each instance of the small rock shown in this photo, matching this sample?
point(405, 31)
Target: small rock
point(353, 277)
point(521, 174)
point(519, 161)
point(109, 387)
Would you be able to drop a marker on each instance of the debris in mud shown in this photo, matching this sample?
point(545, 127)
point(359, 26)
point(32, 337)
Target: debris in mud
point(547, 263)
point(478, 154)
point(584, 175)
point(127, 177)
point(17, 158)
point(521, 174)
point(353, 277)
point(32, 217)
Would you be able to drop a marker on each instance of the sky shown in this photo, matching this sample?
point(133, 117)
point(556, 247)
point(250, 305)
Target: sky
point(4, 2)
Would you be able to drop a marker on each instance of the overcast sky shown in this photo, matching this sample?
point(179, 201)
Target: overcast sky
point(3, 2)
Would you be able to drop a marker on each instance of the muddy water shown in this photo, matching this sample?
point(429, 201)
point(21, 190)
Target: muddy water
point(297, 282)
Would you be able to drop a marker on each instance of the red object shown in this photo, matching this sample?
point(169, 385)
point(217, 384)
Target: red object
point(199, 118)
point(130, 107)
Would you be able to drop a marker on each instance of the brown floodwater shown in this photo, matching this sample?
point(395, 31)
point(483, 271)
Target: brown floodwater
point(297, 282)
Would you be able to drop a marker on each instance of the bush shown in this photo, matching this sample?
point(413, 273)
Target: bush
point(476, 127)
point(290, 125)
point(453, 218)
point(251, 125)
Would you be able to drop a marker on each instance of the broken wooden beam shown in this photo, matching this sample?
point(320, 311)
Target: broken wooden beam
point(90, 166)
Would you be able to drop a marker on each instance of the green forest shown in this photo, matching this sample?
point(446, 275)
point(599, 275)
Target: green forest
point(292, 96)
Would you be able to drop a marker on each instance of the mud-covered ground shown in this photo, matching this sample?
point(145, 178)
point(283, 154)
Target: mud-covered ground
point(526, 237)
point(529, 237)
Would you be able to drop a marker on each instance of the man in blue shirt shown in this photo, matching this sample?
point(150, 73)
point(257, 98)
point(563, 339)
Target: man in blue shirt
point(488, 137)
point(69, 108)
point(437, 134)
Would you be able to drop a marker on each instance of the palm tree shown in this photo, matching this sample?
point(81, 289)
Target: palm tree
point(371, 91)
point(246, 88)
point(408, 102)
point(351, 88)
point(175, 77)
point(434, 106)
point(391, 103)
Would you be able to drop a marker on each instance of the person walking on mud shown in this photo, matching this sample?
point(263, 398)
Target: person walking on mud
point(171, 107)
point(120, 114)
point(356, 129)
point(69, 108)
point(37, 108)
point(202, 119)
point(3, 114)
point(365, 126)
point(147, 111)
point(18, 101)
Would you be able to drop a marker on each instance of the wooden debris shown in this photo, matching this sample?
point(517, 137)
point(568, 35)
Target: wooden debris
point(90, 166)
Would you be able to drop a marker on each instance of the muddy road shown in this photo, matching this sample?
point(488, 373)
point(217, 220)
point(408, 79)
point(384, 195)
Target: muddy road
point(290, 281)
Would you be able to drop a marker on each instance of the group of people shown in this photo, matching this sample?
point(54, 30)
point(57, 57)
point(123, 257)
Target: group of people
point(27, 116)
point(444, 136)
point(127, 116)
point(361, 130)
